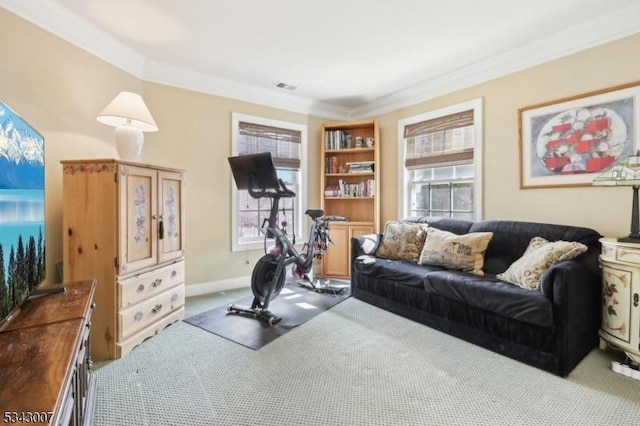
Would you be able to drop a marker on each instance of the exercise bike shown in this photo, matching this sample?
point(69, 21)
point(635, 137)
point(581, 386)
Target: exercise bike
point(257, 175)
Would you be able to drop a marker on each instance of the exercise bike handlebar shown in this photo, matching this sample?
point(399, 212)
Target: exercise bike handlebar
point(281, 192)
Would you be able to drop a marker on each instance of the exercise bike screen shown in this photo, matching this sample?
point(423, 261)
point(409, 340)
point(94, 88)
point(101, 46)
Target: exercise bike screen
point(258, 167)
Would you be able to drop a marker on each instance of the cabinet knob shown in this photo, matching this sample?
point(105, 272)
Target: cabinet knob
point(157, 308)
point(635, 299)
point(156, 282)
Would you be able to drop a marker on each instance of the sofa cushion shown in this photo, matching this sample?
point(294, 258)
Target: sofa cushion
point(490, 294)
point(451, 251)
point(403, 272)
point(402, 241)
point(539, 256)
point(511, 238)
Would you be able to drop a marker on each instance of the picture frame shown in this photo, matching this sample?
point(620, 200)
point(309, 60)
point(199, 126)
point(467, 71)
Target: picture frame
point(22, 209)
point(568, 142)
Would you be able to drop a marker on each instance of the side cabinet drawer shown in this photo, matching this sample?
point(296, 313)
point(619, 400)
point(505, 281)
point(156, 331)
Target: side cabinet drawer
point(139, 316)
point(627, 254)
point(136, 289)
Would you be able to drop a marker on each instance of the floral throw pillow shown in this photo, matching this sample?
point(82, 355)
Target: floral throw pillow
point(452, 251)
point(539, 256)
point(402, 241)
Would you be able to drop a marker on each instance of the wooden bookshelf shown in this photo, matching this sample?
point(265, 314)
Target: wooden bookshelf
point(350, 187)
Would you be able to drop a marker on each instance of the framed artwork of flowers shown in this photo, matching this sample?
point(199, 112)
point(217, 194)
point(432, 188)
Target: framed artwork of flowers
point(568, 142)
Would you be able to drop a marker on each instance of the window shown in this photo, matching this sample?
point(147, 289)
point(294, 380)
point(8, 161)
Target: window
point(440, 163)
point(287, 144)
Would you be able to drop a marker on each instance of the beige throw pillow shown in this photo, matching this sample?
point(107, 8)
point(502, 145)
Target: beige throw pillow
point(461, 252)
point(402, 241)
point(539, 256)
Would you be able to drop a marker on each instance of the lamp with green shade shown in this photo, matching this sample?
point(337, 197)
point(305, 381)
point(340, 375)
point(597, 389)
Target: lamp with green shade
point(625, 173)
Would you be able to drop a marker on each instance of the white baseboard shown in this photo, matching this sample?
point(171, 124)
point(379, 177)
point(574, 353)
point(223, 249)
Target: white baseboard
point(217, 286)
point(209, 287)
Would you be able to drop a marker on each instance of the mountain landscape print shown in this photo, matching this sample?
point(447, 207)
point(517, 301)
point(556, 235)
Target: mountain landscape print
point(22, 213)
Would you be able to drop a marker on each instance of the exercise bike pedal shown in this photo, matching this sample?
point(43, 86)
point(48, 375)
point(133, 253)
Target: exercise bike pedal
point(259, 313)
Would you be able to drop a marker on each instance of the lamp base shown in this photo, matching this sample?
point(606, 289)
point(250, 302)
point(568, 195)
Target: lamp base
point(129, 141)
point(631, 238)
point(634, 236)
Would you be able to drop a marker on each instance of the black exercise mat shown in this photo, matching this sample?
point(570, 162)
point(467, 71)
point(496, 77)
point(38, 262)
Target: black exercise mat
point(295, 305)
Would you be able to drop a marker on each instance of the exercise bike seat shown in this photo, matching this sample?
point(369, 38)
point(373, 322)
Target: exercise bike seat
point(314, 213)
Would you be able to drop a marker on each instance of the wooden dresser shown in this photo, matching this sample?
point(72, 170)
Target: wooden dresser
point(123, 225)
point(45, 364)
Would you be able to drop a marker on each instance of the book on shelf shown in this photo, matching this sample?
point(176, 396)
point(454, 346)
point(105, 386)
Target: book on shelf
point(361, 166)
point(332, 191)
point(365, 188)
point(331, 164)
point(336, 139)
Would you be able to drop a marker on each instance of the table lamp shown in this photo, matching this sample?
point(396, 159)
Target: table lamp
point(130, 116)
point(625, 173)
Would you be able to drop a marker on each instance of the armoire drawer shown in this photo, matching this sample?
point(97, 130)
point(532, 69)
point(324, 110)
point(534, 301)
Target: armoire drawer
point(141, 287)
point(127, 345)
point(137, 317)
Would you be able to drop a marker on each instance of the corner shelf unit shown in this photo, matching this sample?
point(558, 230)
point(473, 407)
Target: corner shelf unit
point(350, 187)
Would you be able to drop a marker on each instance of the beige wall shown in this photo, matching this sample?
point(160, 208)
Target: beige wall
point(59, 89)
point(604, 209)
point(195, 134)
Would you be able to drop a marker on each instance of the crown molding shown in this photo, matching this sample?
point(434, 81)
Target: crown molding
point(56, 19)
point(272, 97)
point(601, 30)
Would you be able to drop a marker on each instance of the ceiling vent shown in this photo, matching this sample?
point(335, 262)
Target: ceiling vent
point(285, 86)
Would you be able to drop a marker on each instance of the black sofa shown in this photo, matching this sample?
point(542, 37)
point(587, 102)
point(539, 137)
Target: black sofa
point(552, 328)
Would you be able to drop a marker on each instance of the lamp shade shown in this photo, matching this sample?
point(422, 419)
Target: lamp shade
point(128, 109)
point(625, 173)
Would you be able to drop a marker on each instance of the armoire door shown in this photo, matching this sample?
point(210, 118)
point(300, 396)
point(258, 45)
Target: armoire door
point(171, 223)
point(138, 220)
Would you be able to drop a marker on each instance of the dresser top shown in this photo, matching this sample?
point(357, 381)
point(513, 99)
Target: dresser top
point(117, 161)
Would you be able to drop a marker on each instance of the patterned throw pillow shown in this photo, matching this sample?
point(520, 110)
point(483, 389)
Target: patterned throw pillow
point(402, 241)
point(539, 256)
point(452, 251)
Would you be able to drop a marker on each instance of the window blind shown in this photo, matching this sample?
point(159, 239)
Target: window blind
point(444, 140)
point(283, 144)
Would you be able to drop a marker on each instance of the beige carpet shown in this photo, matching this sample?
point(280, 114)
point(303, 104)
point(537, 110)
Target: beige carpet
point(352, 365)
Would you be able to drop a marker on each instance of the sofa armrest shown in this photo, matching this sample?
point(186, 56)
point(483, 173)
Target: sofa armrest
point(576, 295)
point(568, 280)
point(364, 244)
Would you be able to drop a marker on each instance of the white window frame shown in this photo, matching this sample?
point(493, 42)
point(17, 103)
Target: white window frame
point(404, 187)
point(301, 195)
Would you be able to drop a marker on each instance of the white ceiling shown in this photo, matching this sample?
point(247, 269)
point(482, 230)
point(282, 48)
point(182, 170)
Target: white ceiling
point(347, 58)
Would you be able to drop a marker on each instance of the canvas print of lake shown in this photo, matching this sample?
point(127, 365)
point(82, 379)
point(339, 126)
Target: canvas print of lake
point(22, 213)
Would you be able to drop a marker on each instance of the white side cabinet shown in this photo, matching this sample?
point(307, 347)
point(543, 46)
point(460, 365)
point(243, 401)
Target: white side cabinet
point(123, 225)
point(620, 297)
